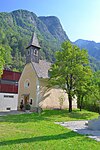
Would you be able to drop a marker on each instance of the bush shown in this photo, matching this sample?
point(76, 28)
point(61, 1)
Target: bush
point(27, 107)
point(91, 107)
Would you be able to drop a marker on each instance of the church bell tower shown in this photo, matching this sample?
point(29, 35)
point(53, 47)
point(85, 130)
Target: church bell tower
point(33, 50)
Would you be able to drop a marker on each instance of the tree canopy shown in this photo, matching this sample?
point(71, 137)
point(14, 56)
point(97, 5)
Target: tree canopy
point(71, 70)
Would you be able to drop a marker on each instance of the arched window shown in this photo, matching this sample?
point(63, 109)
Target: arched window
point(26, 83)
point(21, 101)
point(35, 51)
point(31, 101)
point(28, 52)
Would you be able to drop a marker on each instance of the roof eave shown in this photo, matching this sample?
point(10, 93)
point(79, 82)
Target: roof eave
point(33, 46)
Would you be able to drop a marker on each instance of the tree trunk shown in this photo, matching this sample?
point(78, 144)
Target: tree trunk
point(80, 107)
point(70, 102)
point(81, 103)
point(69, 87)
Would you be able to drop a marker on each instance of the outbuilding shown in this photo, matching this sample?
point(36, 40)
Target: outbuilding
point(9, 90)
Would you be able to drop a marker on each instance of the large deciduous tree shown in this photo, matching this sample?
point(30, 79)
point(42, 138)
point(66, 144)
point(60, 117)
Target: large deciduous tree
point(70, 70)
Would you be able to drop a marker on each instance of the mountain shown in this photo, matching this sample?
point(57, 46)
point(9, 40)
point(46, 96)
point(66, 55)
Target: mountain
point(17, 27)
point(92, 47)
point(54, 27)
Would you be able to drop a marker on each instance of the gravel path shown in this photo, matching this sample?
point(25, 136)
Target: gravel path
point(81, 128)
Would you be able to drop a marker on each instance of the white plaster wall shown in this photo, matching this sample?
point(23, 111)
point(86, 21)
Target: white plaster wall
point(8, 102)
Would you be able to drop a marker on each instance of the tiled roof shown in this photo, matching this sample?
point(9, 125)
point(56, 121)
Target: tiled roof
point(42, 68)
point(34, 41)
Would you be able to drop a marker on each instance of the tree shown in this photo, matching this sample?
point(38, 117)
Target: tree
point(61, 100)
point(92, 99)
point(18, 62)
point(83, 89)
point(84, 86)
point(96, 85)
point(2, 61)
point(97, 82)
point(69, 69)
point(5, 57)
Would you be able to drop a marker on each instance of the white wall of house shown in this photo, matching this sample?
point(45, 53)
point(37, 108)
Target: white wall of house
point(8, 101)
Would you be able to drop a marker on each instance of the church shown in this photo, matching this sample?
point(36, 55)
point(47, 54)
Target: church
point(34, 80)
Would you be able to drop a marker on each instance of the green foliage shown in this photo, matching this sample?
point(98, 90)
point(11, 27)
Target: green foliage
point(92, 99)
point(61, 101)
point(27, 107)
point(94, 63)
point(71, 70)
point(96, 84)
point(92, 47)
point(2, 61)
point(5, 57)
point(83, 86)
point(16, 30)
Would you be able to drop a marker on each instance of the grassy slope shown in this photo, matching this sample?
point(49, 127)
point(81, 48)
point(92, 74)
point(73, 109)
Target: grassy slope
point(38, 132)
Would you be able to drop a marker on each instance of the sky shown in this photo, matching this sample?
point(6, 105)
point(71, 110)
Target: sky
point(79, 18)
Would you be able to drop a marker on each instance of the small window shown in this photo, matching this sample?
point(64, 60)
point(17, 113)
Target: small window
point(16, 83)
point(8, 108)
point(28, 53)
point(5, 95)
point(26, 84)
point(21, 102)
point(31, 101)
point(35, 51)
point(9, 96)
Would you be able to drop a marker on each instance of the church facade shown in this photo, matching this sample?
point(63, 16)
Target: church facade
point(34, 80)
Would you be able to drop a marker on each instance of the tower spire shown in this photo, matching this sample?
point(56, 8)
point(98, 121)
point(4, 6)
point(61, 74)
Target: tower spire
point(33, 50)
point(34, 41)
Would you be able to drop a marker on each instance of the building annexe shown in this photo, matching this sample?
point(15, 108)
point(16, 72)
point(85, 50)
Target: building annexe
point(9, 90)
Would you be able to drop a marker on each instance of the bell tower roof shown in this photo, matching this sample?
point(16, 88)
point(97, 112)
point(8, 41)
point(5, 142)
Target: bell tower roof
point(34, 42)
point(32, 54)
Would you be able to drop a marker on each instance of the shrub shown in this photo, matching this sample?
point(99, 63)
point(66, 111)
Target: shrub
point(27, 107)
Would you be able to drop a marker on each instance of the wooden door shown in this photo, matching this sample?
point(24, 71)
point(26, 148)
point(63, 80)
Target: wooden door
point(26, 99)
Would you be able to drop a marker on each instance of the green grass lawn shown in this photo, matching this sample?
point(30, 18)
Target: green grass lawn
point(38, 132)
